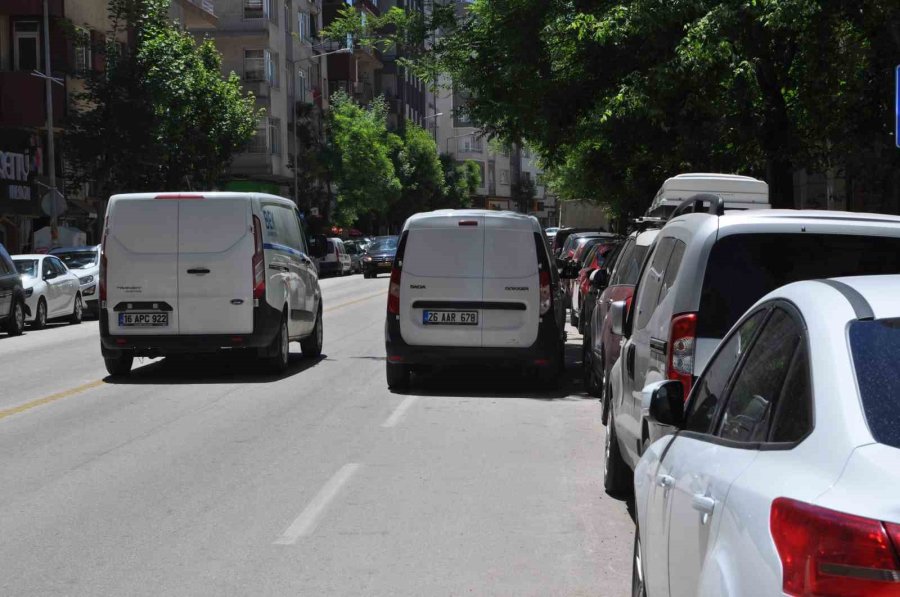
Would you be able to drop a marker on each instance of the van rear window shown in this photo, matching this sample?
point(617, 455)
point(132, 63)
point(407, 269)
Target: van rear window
point(743, 268)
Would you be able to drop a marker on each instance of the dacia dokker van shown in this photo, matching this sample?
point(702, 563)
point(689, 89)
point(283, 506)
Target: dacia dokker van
point(473, 286)
point(202, 272)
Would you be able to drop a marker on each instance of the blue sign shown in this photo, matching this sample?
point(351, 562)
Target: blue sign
point(897, 106)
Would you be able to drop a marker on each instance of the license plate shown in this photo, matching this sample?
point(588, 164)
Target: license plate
point(450, 317)
point(149, 320)
point(385, 264)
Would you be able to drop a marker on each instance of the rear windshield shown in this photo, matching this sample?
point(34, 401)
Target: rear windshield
point(387, 244)
point(78, 259)
point(743, 268)
point(27, 267)
point(331, 248)
point(875, 345)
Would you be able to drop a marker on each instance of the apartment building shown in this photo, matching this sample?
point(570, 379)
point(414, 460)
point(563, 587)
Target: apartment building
point(273, 46)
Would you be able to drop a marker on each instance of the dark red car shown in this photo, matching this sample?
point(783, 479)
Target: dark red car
point(598, 257)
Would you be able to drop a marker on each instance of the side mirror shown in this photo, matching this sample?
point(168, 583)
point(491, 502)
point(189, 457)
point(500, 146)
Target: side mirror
point(50, 275)
point(599, 279)
point(560, 264)
point(617, 317)
point(318, 246)
point(663, 403)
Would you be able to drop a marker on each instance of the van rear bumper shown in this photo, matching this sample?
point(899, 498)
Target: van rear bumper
point(545, 352)
point(266, 320)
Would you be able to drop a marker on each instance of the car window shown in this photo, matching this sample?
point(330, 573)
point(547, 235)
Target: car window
point(281, 226)
point(78, 259)
point(27, 267)
point(622, 257)
point(303, 244)
point(671, 270)
point(648, 291)
point(46, 267)
point(757, 386)
point(710, 388)
point(388, 244)
point(794, 418)
point(59, 266)
point(874, 346)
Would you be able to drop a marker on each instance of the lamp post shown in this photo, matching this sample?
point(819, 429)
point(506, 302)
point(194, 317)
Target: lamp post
point(435, 122)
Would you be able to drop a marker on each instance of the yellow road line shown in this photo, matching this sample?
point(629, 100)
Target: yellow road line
point(51, 398)
point(359, 300)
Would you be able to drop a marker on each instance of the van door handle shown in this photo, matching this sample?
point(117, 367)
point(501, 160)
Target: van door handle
point(703, 503)
point(198, 271)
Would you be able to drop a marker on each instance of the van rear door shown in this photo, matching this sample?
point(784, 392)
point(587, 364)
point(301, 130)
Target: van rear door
point(441, 285)
point(215, 242)
point(511, 283)
point(142, 266)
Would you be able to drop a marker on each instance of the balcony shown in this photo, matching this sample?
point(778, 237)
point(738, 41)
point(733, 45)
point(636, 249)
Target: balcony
point(198, 14)
point(22, 100)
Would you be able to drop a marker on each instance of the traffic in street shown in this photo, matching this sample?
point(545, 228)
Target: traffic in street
point(207, 476)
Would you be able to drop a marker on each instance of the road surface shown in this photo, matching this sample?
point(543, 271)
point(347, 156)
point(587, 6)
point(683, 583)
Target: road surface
point(206, 477)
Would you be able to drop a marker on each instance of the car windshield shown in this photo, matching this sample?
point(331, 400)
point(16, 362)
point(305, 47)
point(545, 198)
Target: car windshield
point(875, 345)
point(78, 259)
point(742, 268)
point(27, 267)
point(387, 244)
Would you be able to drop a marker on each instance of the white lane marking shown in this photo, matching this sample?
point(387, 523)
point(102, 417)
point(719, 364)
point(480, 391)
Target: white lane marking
point(305, 524)
point(400, 411)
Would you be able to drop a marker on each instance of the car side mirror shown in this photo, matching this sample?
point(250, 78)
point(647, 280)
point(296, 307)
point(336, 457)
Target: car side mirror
point(560, 263)
point(599, 279)
point(50, 275)
point(663, 403)
point(617, 317)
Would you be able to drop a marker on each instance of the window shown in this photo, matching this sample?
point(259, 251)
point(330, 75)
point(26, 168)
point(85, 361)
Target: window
point(26, 46)
point(282, 226)
point(794, 417)
point(256, 9)
point(710, 387)
point(504, 177)
point(302, 87)
point(255, 65)
point(648, 290)
point(46, 267)
point(540, 180)
point(304, 27)
point(754, 394)
point(82, 51)
point(875, 345)
point(671, 270)
point(272, 68)
point(275, 136)
point(58, 266)
point(623, 262)
point(471, 144)
point(259, 142)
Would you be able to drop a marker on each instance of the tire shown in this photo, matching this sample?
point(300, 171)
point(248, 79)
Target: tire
point(592, 383)
point(604, 417)
point(366, 275)
point(280, 350)
point(77, 311)
point(40, 315)
point(573, 317)
point(118, 366)
point(397, 376)
point(617, 477)
point(16, 323)
point(638, 582)
point(312, 344)
point(581, 319)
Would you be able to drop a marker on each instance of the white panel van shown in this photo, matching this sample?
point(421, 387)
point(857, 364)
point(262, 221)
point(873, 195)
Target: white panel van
point(738, 192)
point(473, 286)
point(202, 272)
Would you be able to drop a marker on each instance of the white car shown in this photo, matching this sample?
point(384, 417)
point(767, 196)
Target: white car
point(51, 290)
point(783, 477)
point(84, 262)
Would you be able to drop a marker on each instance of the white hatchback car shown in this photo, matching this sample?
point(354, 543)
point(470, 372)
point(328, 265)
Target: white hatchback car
point(52, 291)
point(783, 475)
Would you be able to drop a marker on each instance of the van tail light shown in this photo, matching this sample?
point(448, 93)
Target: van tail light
point(393, 305)
point(259, 261)
point(826, 553)
point(104, 265)
point(680, 360)
point(546, 294)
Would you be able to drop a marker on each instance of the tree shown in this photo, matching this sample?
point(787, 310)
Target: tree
point(362, 168)
point(420, 172)
point(161, 116)
point(462, 180)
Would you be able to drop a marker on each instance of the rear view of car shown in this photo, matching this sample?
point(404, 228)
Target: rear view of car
point(473, 286)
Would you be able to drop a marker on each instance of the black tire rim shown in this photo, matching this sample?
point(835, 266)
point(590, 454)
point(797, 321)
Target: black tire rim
point(79, 308)
point(42, 314)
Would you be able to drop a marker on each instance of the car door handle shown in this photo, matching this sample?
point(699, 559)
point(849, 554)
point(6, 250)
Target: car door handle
point(198, 271)
point(280, 268)
point(703, 503)
point(665, 481)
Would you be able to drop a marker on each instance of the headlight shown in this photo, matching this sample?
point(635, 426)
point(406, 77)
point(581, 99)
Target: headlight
point(29, 292)
point(367, 258)
point(86, 279)
point(90, 291)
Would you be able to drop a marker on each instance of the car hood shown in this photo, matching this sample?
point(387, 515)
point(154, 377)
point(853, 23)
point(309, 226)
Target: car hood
point(382, 254)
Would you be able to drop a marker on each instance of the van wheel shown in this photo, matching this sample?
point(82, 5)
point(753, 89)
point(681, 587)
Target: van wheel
point(77, 311)
point(573, 317)
point(280, 349)
point(119, 365)
point(617, 477)
point(16, 323)
point(397, 376)
point(312, 344)
point(40, 316)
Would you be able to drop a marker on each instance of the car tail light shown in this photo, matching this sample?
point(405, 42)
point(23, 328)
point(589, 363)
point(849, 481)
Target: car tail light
point(259, 261)
point(104, 264)
point(546, 294)
point(680, 361)
point(827, 553)
point(393, 305)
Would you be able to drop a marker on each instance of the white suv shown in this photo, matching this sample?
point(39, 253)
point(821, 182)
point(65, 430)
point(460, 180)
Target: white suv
point(202, 272)
point(707, 269)
point(473, 286)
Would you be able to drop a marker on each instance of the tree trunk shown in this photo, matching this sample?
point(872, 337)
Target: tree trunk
point(780, 176)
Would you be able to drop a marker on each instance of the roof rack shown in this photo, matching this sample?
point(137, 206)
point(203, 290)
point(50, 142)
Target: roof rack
point(695, 204)
point(646, 222)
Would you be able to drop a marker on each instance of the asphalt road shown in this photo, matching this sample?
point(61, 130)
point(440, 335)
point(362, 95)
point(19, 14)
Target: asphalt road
point(208, 478)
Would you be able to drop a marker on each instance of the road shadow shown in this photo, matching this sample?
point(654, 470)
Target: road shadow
point(212, 369)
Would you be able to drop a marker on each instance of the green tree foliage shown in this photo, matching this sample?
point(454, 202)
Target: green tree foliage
point(161, 116)
point(462, 181)
point(421, 174)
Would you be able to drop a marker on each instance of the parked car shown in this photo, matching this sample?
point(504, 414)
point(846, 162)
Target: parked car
point(84, 262)
point(594, 259)
point(13, 309)
point(51, 290)
point(600, 346)
point(379, 256)
point(783, 478)
point(705, 271)
point(336, 261)
point(355, 250)
point(572, 260)
point(562, 235)
point(172, 283)
point(473, 286)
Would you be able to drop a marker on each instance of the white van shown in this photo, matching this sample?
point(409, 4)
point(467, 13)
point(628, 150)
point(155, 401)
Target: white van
point(739, 192)
point(201, 272)
point(473, 286)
